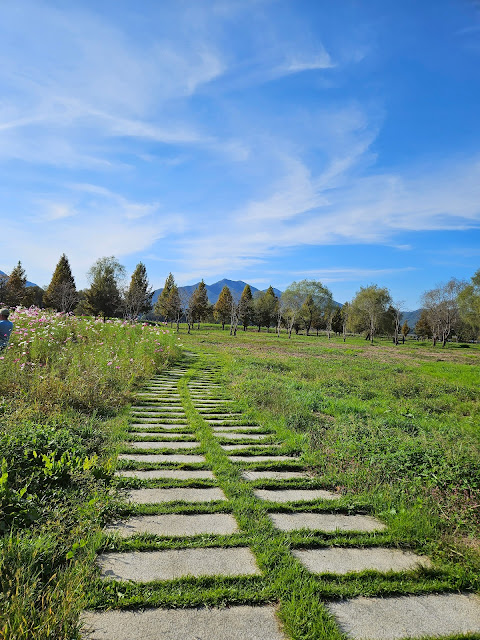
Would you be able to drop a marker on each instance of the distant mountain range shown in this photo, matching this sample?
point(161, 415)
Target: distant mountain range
point(213, 290)
point(29, 284)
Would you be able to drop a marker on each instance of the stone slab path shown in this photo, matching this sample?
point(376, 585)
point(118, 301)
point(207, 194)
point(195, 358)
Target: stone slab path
point(342, 561)
point(408, 616)
point(159, 413)
point(145, 566)
point(235, 623)
point(178, 525)
point(155, 496)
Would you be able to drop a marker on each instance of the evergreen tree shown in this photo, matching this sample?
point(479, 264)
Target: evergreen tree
point(161, 305)
point(174, 305)
point(223, 306)
point(16, 286)
point(246, 307)
point(138, 298)
point(422, 327)
point(34, 296)
point(103, 297)
point(61, 293)
point(3, 288)
point(405, 330)
point(200, 303)
point(269, 306)
point(337, 324)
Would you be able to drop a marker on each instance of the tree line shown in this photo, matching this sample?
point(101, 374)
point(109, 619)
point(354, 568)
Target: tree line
point(449, 309)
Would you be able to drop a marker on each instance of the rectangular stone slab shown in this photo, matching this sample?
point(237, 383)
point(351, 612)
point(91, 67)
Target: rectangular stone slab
point(262, 458)
point(344, 560)
point(162, 425)
point(273, 475)
point(159, 414)
point(161, 457)
point(295, 495)
point(240, 447)
point(235, 623)
point(174, 525)
point(163, 445)
point(236, 427)
point(156, 434)
point(325, 522)
point(148, 407)
point(185, 494)
point(145, 566)
point(174, 474)
point(407, 616)
point(244, 436)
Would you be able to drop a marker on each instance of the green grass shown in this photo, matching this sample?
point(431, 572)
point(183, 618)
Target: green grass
point(65, 382)
point(305, 404)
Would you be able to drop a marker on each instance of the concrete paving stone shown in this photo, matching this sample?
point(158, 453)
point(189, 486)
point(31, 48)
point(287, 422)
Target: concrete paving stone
point(241, 447)
point(161, 457)
point(164, 413)
point(156, 434)
point(236, 427)
point(345, 560)
point(159, 418)
point(263, 458)
point(162, 425)
point(145, 566)
point(168, 444)
point(325, 522)
point(235, 623)
point(295, 495)
point(273, 475)
point(241, 436)
point(174, 525)
point(145, 407)
point(173, 474)
point(185, 494)
point(408, 616)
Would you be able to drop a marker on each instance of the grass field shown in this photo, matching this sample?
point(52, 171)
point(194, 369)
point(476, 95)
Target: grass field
point(395, 429)
point(395, 426)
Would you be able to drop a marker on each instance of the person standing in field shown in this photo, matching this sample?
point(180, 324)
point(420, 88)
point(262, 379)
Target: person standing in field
point(6, 328)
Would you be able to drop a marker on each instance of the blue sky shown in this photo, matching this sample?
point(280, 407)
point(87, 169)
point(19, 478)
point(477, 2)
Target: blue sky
point(262, 140)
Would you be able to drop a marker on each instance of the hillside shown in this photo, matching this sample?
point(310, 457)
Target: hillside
point(29, 284)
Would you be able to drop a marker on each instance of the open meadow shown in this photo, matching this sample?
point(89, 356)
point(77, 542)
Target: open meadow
point(390, 432)
point(395, 426)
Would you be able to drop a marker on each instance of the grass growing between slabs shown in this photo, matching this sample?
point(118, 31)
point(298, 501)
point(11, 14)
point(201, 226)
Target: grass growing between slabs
point(395, 429)
point(64, 383)
point(284, 581)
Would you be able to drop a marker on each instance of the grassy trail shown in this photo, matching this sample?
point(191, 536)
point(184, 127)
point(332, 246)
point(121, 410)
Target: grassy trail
point(302, 596)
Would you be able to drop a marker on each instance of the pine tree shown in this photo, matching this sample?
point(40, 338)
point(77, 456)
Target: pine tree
point(265, 308)
point(103, 297)
point(15, 288)
point(161, 307)
point(138, 298)
point(200, 302)
point(61, 293)
point(3, 288)
point(174, 305)
point(337, 321)
point(223, 306)
point(246, 307)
